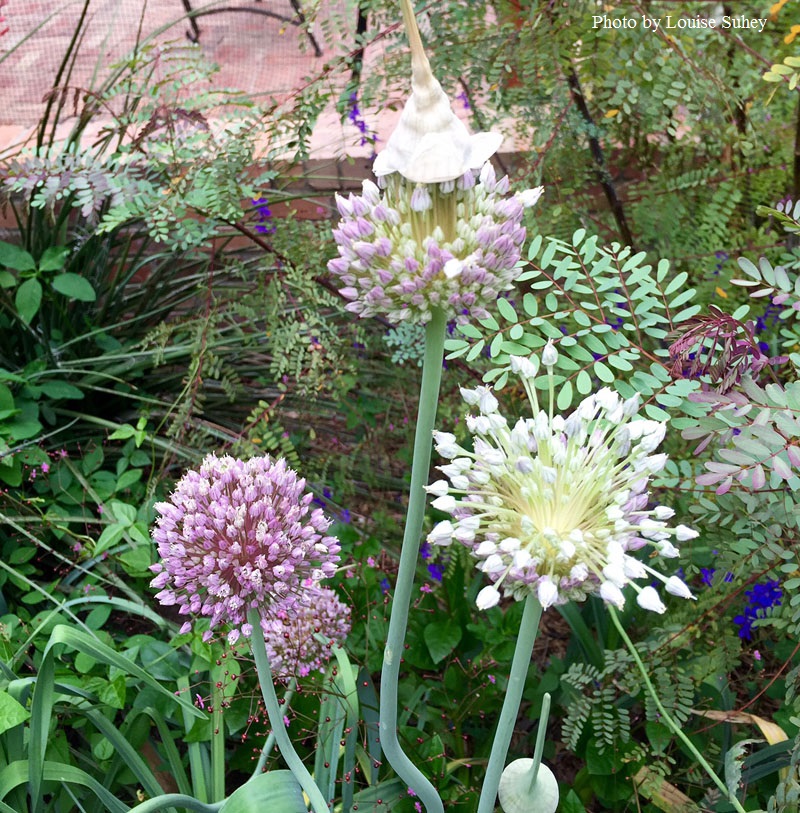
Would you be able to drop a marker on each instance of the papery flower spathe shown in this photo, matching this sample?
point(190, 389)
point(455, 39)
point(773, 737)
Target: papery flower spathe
point(237, 535)
point(555, 506)
point(300, 631)
point(430, 143)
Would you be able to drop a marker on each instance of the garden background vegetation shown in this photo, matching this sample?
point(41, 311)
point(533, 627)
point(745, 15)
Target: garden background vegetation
point(139, 331)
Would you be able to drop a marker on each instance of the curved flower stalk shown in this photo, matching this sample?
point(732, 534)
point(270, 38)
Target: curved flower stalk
point(238, 535)
point(554, 507)
point(299, 633)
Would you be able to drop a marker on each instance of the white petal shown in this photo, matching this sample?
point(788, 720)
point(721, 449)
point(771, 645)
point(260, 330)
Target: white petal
point(649, 599)
point(684, 534)
point(488, 597)
point(452, 268)
point(529, 197)
point(549, 354)
point(447, 503)
point(611, 594)
point(546, 592)
point(677, 588)
point(524, 367)
point(438, 489)
point(441, 534)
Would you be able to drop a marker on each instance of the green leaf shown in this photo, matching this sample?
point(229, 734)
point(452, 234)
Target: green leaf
point(506, 310)
point(75, 287)
point(60, 389)
point(16, 258)
point(53, 258)
point(28, 299)
point(7, 279)
point(11, 712)
point(276, 790)
point(441, 638)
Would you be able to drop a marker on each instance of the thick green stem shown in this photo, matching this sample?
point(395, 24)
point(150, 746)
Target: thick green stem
point(401, 601)
point(540, 737)
point(508, 715)
point(262, 760)
point(293, 761)
point(217, 728)
point(666, 718)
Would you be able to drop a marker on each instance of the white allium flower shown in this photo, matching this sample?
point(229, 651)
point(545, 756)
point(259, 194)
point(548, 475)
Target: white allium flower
point(556, 507)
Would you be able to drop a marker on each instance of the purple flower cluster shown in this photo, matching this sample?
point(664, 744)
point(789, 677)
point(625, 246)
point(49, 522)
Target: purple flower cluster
point(412, 247)
point(299, 633)
point(265, 224)
point(358, 121)
point(760, 599)
point(237, 535)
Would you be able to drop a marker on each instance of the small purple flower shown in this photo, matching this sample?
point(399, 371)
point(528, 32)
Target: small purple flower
point(436, 572)
point(761, 599)
point(265, 224)
point(237, 535)
point(291, 629)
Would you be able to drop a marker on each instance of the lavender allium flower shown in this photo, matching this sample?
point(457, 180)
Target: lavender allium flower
point(414, 247)
point(555, 505)
point(291, 629)
point(237, 535)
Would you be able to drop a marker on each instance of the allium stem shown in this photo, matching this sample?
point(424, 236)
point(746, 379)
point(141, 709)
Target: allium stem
point(541, 734)
point(268, 745)
point(217, 727)
point(666, 717)
point(401, 601)
point(508, 714)
point(180, 800)
point(293, 761)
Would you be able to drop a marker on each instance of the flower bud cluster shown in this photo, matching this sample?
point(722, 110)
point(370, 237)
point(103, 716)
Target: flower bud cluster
point(555, 506)
point(299, 632)
point(411, 247)
point(237, 535)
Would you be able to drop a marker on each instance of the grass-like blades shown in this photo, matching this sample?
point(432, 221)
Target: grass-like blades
point(44, 696)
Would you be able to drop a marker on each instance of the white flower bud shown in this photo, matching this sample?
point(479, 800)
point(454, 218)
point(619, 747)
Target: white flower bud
point(649, 599)
point(452, 268)
point(611, 594)
point(546, 592)
point(524, 367)
point(529, 197)
point(676, 587)
point(438, 489)
point(447, 503)
point(549, 355)
point(441, 534)
point(684, 534)
point(488, 403)
point(486, 548)
point(488, 597)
